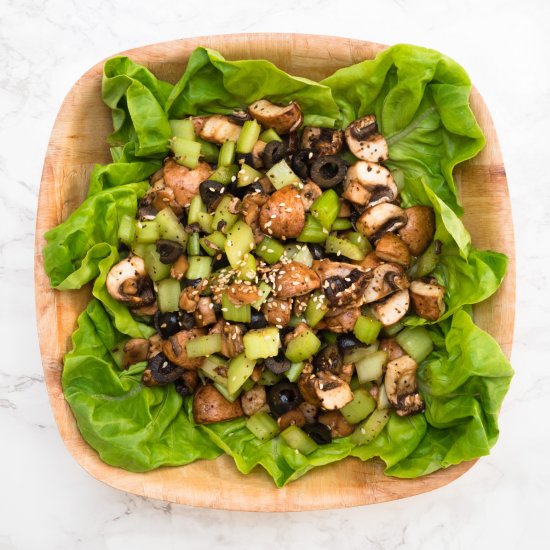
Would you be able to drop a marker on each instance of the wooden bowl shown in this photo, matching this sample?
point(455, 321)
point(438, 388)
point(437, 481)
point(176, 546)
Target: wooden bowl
point(78, 142)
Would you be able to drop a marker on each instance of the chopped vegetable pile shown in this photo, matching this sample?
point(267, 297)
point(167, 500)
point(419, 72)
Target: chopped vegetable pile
point(274, 278)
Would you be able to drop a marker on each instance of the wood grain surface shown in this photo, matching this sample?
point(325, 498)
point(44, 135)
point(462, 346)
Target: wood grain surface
point(78, 142)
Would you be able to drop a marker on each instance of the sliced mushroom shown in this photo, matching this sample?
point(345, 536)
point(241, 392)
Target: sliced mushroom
point(294, 279)
point(309, 193)
point(175, 349)
point(294, 417)
point(250, 209)
point(379, 219)
point(327, 268)
point(393, 308)
point(392, 348)
point(128, 283)
point(309, 411)
point(179, 268)
point(257, 154)
point(277, 311)
point(331, 391)
point(241, 294)
point(155, 345)
point(209, 406)
point(282, 118)
point(364, 140)
point(419, 230)
point(427, 300)
point(205, 314)
point(183, 181)
point(400, 386)
point(370, 261)
point(149, 309)
point(345, 291)
point(156, 199)
point(376, 180)
point(232, 338)
point(189, 299)
point(322, 141)
point(336, 423)
point(216, 129)
point(283, 214)
point(254, 400)
point(161, 371)
point(391, 248)
point(340, 319)
point(386, 279)
point(135, 350)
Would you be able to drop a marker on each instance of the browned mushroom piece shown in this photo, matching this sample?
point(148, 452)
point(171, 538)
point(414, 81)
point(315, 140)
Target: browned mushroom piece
point(183, 181)
point(379, 219)
point(175, 349)
point(232, 338)
point(330, 391)
point(348, 290)
point(400, 386)
point(309, 193)
point(294, 417)
point(128, 283)
point(309, 411)
point(209, 406)
point(257, 154)
point(326, 268)
point(427, 299)
point(376, 181)
point(393, 308)
point(282, 118)
point(205, 314)
point(392, 348)
point(391, 248)
point(340, 319)
point(386, 279)
point(322, 141)
point(370, 261)
point(156, 199)
point(190, 378)
point(277, 311)
point(179, 268)
point(250, 210)
point(283, 214)
point(135, 350)
point(364, 140)
point(419, 230)
point(189, 299)
point(293, 279)
point(254, 400)
point(155, 345)
point(241, 293)
point(299, 305)
point(149, 309)
point(216, 129)
point(336, 423)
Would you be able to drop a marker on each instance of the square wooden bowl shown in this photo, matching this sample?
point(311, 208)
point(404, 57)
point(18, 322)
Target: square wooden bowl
point(78, 141)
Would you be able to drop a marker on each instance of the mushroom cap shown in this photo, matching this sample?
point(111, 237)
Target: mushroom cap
point(391, 248)
point(209, 406)
point(216, 129)
point(175, 349)
point(322, 141)
point(364, 141)
point(386, 279)
point(294, 279)
point(400, 385)
point(379, 219)
point(393, 308)
point(282, 118)
point(184, 182)
point(427, 300)
point(127, 282)
point(375, 179)
point(283, 214)
point(419, 230)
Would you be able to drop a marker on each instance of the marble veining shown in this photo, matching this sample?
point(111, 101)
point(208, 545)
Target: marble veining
point(48, 502)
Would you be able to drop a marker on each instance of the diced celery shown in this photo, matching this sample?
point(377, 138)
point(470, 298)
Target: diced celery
point(371, 367)
point(223, 219)
point(240, 368)
point(299, 253)
point(360, 241)
point(203, 346)
point(247, 269)
point(205, 221)
point(326, 207)
point(340, 224)
point(248, 137)
point(298, 439)
point(366, 329)
point(208, 151)
point(186, 152)
point(265, 290)
point(270, 250)
point(295, 320)
point(215, 368)
point(262, 343)
point(281, 175)
point(383, 401)
point(231, 312)
point(231, 397)
point(224, 174)
point(227, 154)
point(328, 336)
point(262, 426)
point(303, 346)
point(269, 378)
point(239, 243)
point(416, 342)
point(199, 267)
point(317, 307)
point(425, 263)
point(127, 229)
point(155, 268)
point(359, 353)
point(371, 427)
point(147, 232)
point(247, 175)
point(313, 231)
point(195, 208)
point(270, 135)
point(170, 228)
point(339, 246)
point(214, 243)
point(183, 129)
point(168, 295)
point(248, 384)
point(392, 330)
point(193, 245)
point(293, 373)
point(362, 405)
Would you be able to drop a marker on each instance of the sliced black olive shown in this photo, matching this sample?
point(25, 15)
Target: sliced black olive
point(211, 192)
point(169, 251)
point(246, 158)
point(283, 397)
point(220, 261)
point(301, 161)
point(190, 282)
point(317, 250)
point(318, 432)
point(328, 171)
point(239, 117)
point(182, 388)
point(257, 319)
point(347, 342)
point(328, 359)
point(146, 210)
point(273, 153)
point(167, 324)
point(123, 250)
point(192, 228)
point(160, 371)
point(241, 192)
point(277, 364)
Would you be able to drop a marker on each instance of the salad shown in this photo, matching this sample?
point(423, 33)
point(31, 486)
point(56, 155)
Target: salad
point(280, 271)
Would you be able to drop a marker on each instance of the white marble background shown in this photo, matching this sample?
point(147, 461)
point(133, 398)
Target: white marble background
point(48, 502)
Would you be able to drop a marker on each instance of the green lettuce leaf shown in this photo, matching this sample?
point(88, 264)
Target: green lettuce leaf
point(210, 84)
point(129, 425)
